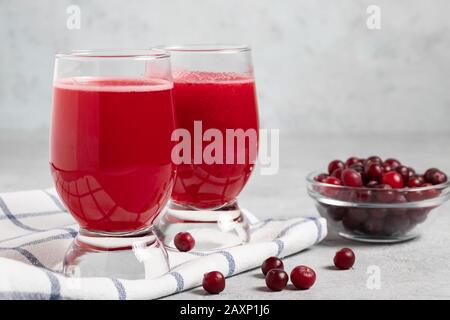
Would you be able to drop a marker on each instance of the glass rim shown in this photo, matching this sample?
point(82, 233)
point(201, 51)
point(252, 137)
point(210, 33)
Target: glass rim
point(207, 48)
point(133, 54)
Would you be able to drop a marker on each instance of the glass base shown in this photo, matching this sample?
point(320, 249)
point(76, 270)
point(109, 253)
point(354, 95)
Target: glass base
point(215, 229)
point(135, 255)
point(380, 240)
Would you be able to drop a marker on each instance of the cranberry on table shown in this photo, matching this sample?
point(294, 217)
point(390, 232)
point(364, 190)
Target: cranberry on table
point(344, 259)
point(394, 179)
point(351, 178)
point(334, 165)
point(184, 241)
point(213, 282)
point(271, 263)
point(321, 177)
point(303, 277)
point(276, 279)
point(394, 163)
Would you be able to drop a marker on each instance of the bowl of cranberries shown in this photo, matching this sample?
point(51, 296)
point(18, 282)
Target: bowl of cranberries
point(376, 200)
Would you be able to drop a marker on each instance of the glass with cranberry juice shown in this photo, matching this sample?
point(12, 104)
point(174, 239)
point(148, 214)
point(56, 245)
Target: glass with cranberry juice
point(110, 157)
point(215, 105)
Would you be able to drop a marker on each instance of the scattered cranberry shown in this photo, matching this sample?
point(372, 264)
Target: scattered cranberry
point(213, 282)
point(351, 178)
point(271, 263)
point(184, 241)
point(394, 179)
point(334, 165)
point(276, 279)
point(344, 259)
point(352, 160)
point(394, 163)
point(303, 277)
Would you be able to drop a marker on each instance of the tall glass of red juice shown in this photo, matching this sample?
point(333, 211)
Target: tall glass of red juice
point(110, 156)
point(216, 105)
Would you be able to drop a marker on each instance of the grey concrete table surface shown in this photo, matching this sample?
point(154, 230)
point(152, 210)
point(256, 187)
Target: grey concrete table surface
point(418, 269)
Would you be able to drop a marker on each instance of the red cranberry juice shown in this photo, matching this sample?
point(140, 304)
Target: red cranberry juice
point(221, 101)
point(110, 152)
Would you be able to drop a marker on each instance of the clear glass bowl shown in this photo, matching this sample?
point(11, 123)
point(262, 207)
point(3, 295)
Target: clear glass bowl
point(377, 215)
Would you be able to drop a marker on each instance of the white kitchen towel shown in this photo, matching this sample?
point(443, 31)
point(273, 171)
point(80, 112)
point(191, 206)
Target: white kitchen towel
point(36, 230)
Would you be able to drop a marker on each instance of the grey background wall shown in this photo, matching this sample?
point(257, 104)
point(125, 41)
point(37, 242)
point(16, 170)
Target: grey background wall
point(318, 67)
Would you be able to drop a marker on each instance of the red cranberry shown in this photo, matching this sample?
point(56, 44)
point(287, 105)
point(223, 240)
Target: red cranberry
point(378, 213)
point(395, 224)
point(344, 259)
point(384, 193)
point(387, 168)
point(271, 263)
point(332, 180)
point(374, 171)
point(184, 241)
point(338, 173)
point(321, 177)
point(303, 277)
point(276, 279)
point(394, 163)
point(352, 160)
point(437, 177)
point(428, 173)
point(354, 218)
point(430, 192)
point(336, 213)
point(363, 195)
point(418, 215)
point(351, 178)
point(394, 179)
point(415, 181)
point(405, 172)
point(334, 165)
point(213, 282)
point(375, 159)
point(373, 226)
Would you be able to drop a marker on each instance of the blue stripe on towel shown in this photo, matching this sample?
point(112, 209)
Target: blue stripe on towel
point(179, 279)
point(319, 228)
point(56, 200)
point(55, 286)
point(120, 289)
point(33, 214)
point(280, 246)
point(231, 262)
point(13, 219)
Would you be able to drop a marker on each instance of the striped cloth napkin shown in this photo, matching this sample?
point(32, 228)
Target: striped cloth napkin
point(36, 230)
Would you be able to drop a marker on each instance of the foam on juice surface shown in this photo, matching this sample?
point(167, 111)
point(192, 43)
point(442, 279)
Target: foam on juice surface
point(182, 76)
point(116, 84)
